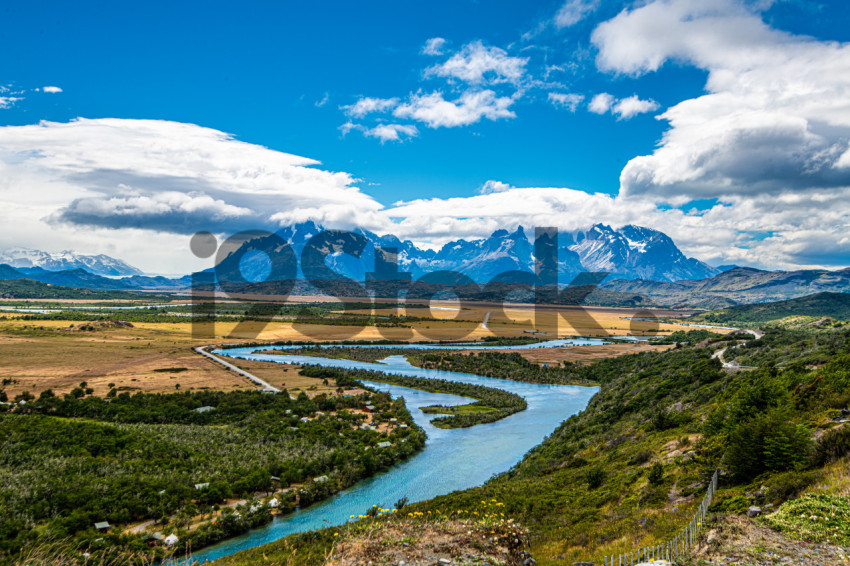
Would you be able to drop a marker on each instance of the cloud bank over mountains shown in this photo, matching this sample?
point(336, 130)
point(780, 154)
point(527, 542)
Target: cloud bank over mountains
point(754, 171)
point(770, 139)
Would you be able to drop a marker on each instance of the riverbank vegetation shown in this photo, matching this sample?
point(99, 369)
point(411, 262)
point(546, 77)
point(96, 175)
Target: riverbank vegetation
point(629, 470)
point(509, 365)
point(69, 462)
point(371, 354)
point(698, 335)
point(379, 350)
point(492, 404)
point(594, 485)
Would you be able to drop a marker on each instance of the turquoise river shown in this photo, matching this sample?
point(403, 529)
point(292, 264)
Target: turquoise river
point(453, 459)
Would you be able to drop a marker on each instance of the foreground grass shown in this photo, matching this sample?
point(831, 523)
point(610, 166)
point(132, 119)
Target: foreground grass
point(478, 535)
point(814, 518)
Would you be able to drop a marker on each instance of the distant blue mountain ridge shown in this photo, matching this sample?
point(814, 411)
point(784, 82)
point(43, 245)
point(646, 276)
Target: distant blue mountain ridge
point(632, 252)
point(639, 260)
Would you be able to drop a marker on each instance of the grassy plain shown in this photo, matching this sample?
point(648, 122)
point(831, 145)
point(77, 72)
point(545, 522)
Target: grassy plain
point(584, 353)
point(147, 357)
point(157, 357)
point(548, 320)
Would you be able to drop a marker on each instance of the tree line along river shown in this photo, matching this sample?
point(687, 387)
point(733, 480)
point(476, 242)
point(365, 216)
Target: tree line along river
point(453, 459)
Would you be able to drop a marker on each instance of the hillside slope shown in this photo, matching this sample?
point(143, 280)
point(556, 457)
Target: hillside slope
point(833, 305)
point(629, 470)
point(739, 285)
point(29, 289)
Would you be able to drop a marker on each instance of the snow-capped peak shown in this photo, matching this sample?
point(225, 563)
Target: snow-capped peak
point(98, 264)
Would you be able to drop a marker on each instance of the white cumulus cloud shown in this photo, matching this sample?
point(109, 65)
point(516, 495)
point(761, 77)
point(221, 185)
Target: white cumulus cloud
point(127, 187)
point(630, 107)
point(623, 108)
point(601, 103)
point(434, 46)
point(477, 63)
point(391, 132)
point(470, 107)
point(570, 101)
point(367, 105)
point(51, 89)
point(776, 114)
point(573, 11)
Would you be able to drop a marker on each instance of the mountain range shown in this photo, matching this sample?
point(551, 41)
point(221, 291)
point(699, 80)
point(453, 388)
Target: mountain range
point(642, 263)
point(26, 260)
point(81, 279)
point(740, 285)
point(629, 253)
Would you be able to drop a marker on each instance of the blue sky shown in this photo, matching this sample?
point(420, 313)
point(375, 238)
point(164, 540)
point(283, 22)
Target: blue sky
point(571, 96)
point(259, 70)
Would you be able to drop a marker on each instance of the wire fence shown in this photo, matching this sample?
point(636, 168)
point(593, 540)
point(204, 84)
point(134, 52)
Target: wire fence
point(677, 546)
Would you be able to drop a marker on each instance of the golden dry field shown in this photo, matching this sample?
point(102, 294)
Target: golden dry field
point(159, 357)
point(148, 357)
point(287, 376)
point(583, 353)
point(549, 320)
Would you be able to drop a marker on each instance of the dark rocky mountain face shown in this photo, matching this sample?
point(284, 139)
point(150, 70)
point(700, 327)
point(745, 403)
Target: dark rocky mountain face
point(633, 252)
point(641, 263)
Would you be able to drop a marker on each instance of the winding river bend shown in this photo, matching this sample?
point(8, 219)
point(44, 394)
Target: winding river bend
point(453, 459)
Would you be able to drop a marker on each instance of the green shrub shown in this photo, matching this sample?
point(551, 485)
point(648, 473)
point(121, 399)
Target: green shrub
point(594, 477)
point(665, 420)
point(787, 485)
point(656, 474)
point(767, 442)
point(735, 504)
point(832, 446)
point(641, 458)
point(815, 518)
